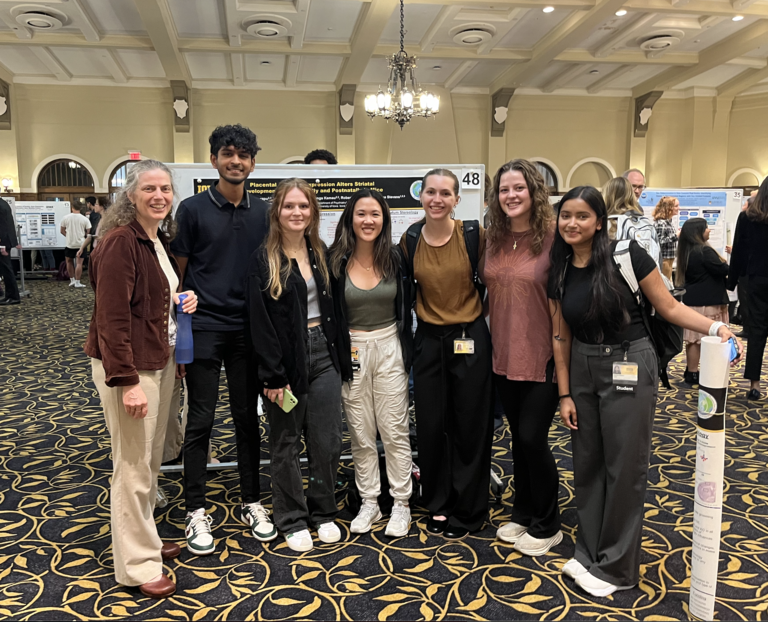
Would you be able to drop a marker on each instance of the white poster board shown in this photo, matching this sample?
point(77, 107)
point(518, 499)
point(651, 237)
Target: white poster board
point(41, 223)
point(718, 207)
point(400, 185)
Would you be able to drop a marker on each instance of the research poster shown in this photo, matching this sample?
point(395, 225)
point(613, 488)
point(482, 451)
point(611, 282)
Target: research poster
point(717, 207)
point(41, 223)
point(334, 185)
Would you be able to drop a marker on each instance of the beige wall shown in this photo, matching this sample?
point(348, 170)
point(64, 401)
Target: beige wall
point(748, 135)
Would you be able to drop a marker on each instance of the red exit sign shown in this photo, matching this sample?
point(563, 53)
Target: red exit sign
point(134, 155)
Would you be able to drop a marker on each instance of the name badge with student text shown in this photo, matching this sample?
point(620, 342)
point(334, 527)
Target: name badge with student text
point(625, 376)
point(463, 346)
point(355, 358)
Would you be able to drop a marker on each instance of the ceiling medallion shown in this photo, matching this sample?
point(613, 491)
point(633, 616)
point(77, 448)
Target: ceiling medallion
point(403, 97)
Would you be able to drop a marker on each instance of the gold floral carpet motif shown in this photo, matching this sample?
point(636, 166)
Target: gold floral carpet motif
point(55, 548)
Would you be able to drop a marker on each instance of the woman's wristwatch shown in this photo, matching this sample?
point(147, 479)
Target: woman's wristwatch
point(562, 397)
point(714, 328)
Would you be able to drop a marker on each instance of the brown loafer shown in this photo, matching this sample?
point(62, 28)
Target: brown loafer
point(170, 550)
point(161, 587)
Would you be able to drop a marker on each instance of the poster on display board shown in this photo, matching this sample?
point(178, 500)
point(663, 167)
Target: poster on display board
point(399, 184)
point(719, 207)
point(41, 223)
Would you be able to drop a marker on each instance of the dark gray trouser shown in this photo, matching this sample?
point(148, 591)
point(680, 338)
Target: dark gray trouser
point(743, 292)
point(611, 450)
point(318, 417)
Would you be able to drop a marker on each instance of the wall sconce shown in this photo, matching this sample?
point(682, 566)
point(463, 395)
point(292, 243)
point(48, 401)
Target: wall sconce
point(7, 181)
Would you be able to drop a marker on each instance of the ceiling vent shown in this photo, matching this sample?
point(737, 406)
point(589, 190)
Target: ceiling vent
point(267, 26)
point(472, 34)
point(41, 19)
point(658, 43)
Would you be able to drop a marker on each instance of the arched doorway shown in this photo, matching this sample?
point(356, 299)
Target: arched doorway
point(65, 180)
point(549, 175)
point(118, 177)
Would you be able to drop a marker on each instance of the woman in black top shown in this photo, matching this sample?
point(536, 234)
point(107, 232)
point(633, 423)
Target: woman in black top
point(750, 259)
point(702, 272)
point(295, 340)
point(600, 324)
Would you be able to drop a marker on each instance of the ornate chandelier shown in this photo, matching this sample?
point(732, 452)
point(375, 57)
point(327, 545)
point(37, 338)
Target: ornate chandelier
point(403, 97)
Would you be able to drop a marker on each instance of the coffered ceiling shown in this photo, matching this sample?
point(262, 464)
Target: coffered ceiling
point(593, 47)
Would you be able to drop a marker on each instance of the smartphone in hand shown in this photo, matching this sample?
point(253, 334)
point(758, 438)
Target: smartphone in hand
point(734, 349)
point(289, 401)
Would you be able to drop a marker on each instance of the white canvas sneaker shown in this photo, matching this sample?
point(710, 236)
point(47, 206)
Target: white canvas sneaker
point(328, 533)
point(256, 517)
point(597, 587)
point(198, 531)
point(399, 521)
point(369, 513)
point(300, 541)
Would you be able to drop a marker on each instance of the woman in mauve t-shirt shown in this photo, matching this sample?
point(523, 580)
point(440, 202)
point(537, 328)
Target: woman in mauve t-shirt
point(518, 241)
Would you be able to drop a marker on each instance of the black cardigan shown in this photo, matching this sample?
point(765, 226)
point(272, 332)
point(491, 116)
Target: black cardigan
point(705, 278)
point(750, 250)
point(279, 327)
point(402, 313)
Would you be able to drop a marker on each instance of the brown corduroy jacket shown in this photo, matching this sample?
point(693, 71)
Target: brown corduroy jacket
point(129, 326)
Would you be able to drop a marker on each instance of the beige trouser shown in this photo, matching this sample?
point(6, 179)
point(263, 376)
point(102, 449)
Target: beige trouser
point(377, 397)
point(137, 451)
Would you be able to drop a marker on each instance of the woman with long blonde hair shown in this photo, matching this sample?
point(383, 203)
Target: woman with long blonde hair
point(619, 199)
point(295, 339)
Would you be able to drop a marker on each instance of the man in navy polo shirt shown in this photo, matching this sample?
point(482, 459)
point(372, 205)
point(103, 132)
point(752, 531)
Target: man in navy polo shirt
point(218, 230)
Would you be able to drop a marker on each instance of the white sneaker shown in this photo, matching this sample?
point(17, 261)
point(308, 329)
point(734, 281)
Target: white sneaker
point(78, 284)
point(511, 532)
point(399, 521)
point(198, 531)
point(369, 513)
point(71, 282)
point(328, 533)
point(573, 568)
point(300, 541)
point(597, 587)
point(533, 547)
point(256, 517)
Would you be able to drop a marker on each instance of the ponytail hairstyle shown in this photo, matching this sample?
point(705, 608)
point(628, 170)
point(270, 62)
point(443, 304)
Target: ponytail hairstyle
point(607, 307)
point(279, 264)
point(441, 172)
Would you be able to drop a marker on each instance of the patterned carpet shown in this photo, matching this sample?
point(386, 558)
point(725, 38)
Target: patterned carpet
point(55, 551)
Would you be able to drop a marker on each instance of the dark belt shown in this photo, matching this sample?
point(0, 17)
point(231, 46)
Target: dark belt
point(602, 349)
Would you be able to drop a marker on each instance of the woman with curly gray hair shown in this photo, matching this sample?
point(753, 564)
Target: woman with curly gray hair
point(131, 343)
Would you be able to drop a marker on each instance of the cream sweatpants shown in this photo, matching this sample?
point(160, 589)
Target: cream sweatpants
point(377, 398)
point(137, 452)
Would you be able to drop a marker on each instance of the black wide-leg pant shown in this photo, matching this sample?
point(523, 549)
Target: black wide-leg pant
point(454, 422)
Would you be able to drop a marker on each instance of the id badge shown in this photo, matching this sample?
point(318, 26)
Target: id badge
point(355, 358)
point(624, 376)
point(463, 346)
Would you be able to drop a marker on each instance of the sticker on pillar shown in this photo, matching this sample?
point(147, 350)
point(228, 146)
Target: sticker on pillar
point(707, 404)
point(707, 492)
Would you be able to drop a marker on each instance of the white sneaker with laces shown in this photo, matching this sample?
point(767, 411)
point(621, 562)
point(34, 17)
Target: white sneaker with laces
point(71, 282)
point(328, 533)
point(533, 547)
point(256, 517)
point(300, 541)
point(369, 513)
point(573, 568)
point(597, 587)
point(198, 531)
point(399, 521)
point(511, 532)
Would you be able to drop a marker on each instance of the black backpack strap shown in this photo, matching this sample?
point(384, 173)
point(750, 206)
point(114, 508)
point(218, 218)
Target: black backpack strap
point(411, 241)
point(472, 242)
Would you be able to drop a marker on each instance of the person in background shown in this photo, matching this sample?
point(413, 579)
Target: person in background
point(742, 290)
point(519, 239)
point(636, 178)
point(219, 229)
point(452, 364)
point(320, 156)
point(599, 323)
point(296, 339)
point(75, 227)
point(666, 209)
point(619, 199)
point(132, 358)
point(95, 217)
point(8, 240)
point(750, 259)
point(702, 272)
point(91, 213)
point(372, 300)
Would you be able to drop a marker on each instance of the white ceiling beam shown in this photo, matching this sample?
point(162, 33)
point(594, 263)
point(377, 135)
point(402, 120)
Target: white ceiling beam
point(265, 47)
point(460, 73)
point(52, 63)
point(602, 83)
point(563, 78)
point(741, 4)
point(447, 14)
point(299, 24)
point(742, 82)
point(234, 32)
point(679, 3)
point(738, 44)
point(84, 22)
point(513, 18)
point(370, 25)
point(72, 40)
point(625, 56)
point(238, 69)
point(569, 33)
point(158, 22)
point(292, 71)
point(113, 66)
point(615, 41)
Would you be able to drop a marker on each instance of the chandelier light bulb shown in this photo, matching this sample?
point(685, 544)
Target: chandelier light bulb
point(406, 99)
point(380, 101)
point(435, 104)
point(424, 101)
point(370, 103)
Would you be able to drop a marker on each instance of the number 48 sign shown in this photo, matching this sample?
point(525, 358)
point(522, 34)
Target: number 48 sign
point(472, 179)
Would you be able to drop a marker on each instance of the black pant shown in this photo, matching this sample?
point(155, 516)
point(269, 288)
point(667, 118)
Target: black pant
point(530, 408)
point(758, 326)
point(454, 422)
point(9, 278)
point(743, 292)
point(233, 348)
point(318, 417)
